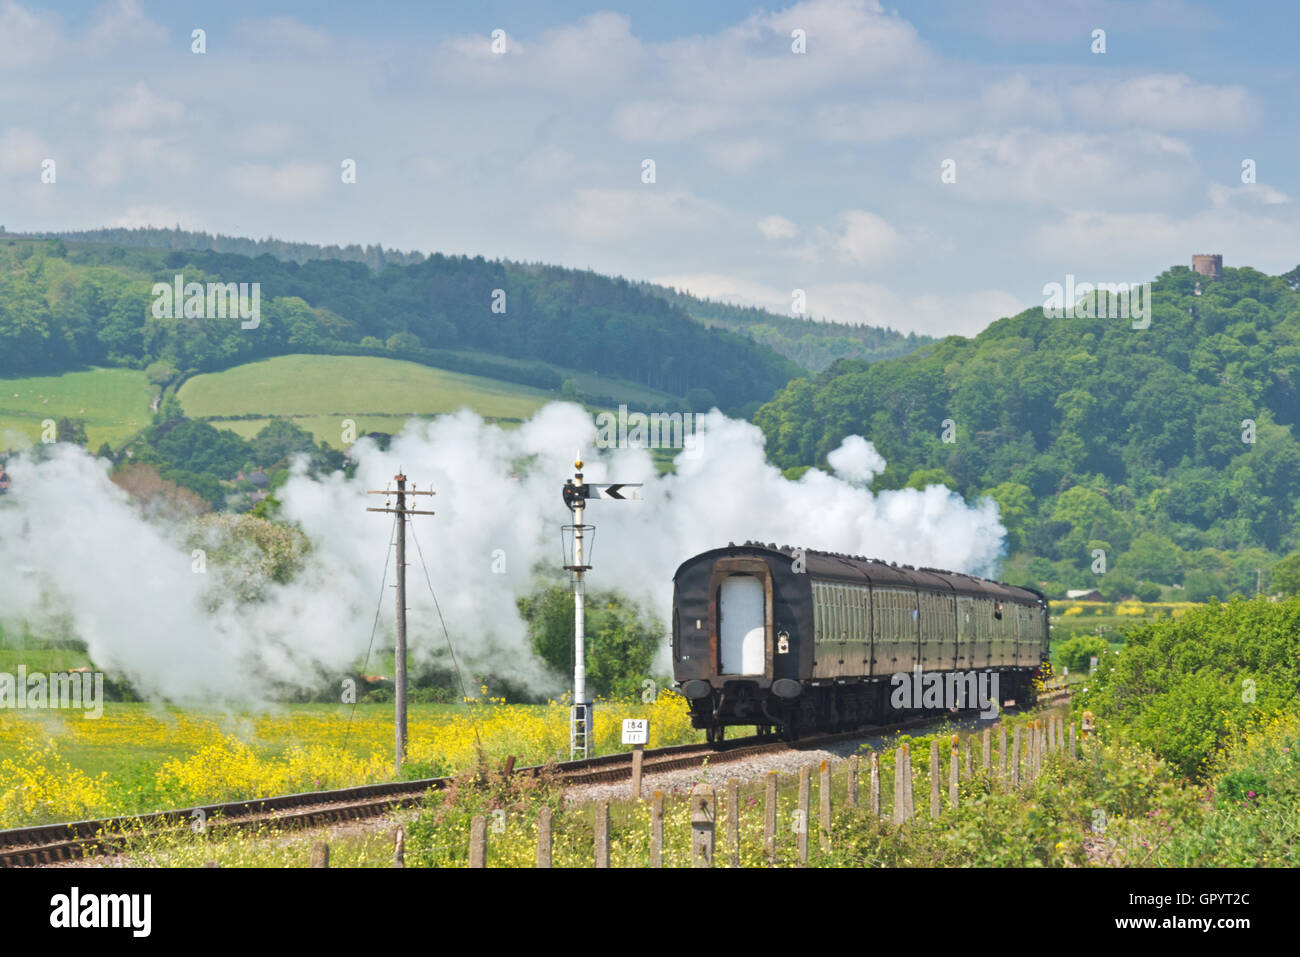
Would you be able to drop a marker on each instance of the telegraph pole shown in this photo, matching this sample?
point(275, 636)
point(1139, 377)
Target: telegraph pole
point(399, 677)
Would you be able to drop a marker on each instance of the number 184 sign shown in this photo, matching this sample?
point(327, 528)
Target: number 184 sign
point(636, 730)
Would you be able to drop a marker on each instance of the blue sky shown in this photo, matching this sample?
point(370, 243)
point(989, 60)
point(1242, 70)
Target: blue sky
point(774, 171)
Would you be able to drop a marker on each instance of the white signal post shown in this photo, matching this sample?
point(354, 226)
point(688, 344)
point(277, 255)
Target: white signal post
point(576, 493)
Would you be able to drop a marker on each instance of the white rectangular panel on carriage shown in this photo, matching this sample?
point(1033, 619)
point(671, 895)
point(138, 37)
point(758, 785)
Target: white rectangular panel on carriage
point(742, 625)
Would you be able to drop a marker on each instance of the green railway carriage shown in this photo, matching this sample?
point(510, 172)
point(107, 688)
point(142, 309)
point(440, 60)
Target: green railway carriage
point(798, 640)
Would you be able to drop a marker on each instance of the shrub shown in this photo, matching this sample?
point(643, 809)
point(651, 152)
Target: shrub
point(1076, 653)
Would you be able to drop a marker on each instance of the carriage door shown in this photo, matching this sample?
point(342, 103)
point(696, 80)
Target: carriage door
point(741, 625)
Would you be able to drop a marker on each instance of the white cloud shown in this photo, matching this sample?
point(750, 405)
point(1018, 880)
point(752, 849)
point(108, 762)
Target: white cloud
point(777, 227)
point(285, 35)
point(266, 138)
point(548, 164)
point(426, 166)
point(865, 238)
point(598, 215)
point(1164, 101)
point(1246, 193)
point(1138, 244)
point(860, 303)
point(140, 109)
point(121, 23)
point(1062, 23)
point(887, 120)
point(669, 121)
point(21, 152)
point(847, 41)
point(1011, 98)
point(1071, 169)
point(737, 156)
point(963, 314)
point(586, 57)
point(734, 290)
point(290, 181)
point(26, 38)
point(163, 217)
point(1015, 99)
point(119, 156)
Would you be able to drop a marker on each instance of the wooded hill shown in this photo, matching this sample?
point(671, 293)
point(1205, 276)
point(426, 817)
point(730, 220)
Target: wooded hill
point(67, 304)
point(1092, 434)
point(812, 344)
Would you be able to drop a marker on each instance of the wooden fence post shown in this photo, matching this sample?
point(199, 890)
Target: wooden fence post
point(934, 778)
point(824, 805)
point(478, 841)
point(733, 819)
point(769, 819)
point(1074, 751)
point(874, 797)
point(952, 772)
point(703, 816)
point(544, 837)
point(320, 854)
point(1015, 758)
point(1060, 734)
point(900, 802)
point(399, 847)
point(638, 758)
point(1002, 753)
point(986, 753)
point(909, 805)
point(602, 834)
point(801, 813)
point(853, 780)
point(657, 830)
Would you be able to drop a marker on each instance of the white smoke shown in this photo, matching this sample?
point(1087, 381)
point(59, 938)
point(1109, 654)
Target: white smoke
point(71, 541)
point(856, 460)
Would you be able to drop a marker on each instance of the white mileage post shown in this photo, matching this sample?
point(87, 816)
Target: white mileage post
point(636, 732)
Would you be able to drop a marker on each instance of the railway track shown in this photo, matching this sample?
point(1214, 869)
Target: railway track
point(47, 844)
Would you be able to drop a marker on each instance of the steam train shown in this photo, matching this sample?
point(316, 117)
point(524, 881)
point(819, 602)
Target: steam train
point(798, 640)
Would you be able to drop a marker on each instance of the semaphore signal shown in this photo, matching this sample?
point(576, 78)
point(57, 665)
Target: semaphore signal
point(576, 492)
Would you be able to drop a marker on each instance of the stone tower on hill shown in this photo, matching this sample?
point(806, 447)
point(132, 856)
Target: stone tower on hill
point(1208, 264)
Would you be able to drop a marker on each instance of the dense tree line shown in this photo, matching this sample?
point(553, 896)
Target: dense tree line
point(812, 343)
point(63, 306)
point(374, 256)
point(1169, 448)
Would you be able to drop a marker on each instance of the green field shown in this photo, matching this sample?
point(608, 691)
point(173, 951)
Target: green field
point(113, 402)
point(351, 386)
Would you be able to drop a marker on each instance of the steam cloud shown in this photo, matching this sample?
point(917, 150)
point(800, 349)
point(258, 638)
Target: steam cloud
point(72, 545)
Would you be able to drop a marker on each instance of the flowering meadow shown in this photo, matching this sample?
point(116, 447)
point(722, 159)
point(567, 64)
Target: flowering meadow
point(136, 758)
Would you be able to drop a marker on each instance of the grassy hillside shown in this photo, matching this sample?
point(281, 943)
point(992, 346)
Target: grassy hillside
point(113, 403)
point(350, 385)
